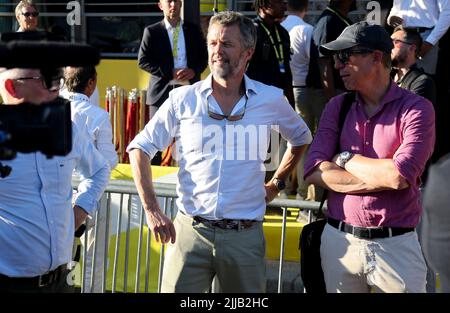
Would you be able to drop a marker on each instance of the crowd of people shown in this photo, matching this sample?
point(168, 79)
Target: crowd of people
point(275, 73)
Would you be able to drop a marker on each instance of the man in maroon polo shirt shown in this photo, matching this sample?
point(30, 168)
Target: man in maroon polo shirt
point(370, 241)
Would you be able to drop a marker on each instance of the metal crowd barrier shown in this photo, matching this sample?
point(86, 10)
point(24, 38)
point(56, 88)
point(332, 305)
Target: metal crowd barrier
point(125, 190)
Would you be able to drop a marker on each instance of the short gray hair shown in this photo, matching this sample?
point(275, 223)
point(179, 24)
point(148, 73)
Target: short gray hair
point(246, 26)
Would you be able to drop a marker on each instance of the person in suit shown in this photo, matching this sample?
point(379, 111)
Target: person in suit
point(173, 51)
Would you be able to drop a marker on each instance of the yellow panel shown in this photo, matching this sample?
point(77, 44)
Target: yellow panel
point(121, 73)
point(125, 74)
point(123, 171)
point(208, 5)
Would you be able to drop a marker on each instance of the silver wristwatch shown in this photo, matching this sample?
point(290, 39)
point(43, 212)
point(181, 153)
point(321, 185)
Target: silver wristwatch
point(343, 158)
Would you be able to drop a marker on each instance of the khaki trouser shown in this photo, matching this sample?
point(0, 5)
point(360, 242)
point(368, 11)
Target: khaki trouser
point(235, 257)
point(351, 264)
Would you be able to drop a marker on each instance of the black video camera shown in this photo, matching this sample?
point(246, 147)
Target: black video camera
point(46, 127)
point(29, 128)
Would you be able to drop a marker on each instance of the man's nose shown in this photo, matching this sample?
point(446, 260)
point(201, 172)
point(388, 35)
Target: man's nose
point(338, 64)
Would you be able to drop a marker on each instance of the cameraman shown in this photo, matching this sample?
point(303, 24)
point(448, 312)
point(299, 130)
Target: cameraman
point(37, 221)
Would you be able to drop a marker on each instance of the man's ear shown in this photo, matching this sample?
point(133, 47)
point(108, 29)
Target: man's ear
point(378, 56)
point(10, 88)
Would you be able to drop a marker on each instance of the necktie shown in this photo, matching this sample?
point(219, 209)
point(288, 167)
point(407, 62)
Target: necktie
point(175, 41)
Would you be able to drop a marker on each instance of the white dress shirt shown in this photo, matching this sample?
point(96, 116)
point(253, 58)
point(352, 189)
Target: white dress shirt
point(424, 13)
point(36, 215)
point(221, 173)
point(180, 61)
point(300, 33)
point(96, 120)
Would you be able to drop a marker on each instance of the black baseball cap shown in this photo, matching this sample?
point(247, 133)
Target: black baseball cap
point(361, 34)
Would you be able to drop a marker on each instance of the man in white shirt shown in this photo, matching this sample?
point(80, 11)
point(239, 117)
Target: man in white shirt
point(307, 103)
point(81, 83)
point(221, 192)
point(37, 221)
point(431, 18)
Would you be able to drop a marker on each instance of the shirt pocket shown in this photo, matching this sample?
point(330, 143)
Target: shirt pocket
point(65, 167)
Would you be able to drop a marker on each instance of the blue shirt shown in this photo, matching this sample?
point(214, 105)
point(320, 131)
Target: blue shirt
point(221, 163)
point(36, 215)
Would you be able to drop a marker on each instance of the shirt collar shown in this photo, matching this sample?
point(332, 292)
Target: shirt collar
point(170, 27)
point(392, 94)
point(206, 86)
point(75, 96)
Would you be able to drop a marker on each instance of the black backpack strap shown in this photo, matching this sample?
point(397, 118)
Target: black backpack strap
point(411, 77)
point(349, 97)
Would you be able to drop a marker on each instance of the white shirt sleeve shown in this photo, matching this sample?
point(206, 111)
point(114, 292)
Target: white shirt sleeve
point(442, 23)
point(94, 172)
point(395, 10)
point(159, 131)
point(104, 142)
point(290, 125)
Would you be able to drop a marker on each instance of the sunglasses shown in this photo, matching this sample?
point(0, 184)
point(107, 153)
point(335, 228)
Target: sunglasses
point(343, 56)
point(53, 84)
point(231, 118)
point(28, 14)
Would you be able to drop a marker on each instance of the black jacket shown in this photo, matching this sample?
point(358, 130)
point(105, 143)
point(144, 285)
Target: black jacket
point(418, 82)
point(264, 65)
point(155, 56)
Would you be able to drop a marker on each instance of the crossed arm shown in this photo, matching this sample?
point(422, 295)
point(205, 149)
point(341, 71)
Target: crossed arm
point(361, 175)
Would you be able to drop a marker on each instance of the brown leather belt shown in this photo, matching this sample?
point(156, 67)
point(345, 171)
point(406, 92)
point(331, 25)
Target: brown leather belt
point(226, 223)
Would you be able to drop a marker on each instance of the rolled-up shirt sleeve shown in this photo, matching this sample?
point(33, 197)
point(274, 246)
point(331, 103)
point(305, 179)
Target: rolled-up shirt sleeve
point(291, 125)
point(418, 132)
point(442, 23)
point(323, 147)
point(159, 131)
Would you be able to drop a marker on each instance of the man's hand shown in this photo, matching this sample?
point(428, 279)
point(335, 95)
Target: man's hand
point(184, 74)
point(271, 191)
point(80, 216)
point(426, 46)
point(161, 226)
point(395, 21)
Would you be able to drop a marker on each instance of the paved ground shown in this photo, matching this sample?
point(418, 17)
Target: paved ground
point(292, 281)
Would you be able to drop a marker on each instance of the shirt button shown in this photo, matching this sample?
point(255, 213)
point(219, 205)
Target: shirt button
point(367, 143)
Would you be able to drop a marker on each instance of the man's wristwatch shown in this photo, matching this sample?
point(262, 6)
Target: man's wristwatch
point(343, 158)
point(280, 184)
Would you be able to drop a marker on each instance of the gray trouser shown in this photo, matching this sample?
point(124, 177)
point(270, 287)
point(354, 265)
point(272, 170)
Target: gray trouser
point(428, 63)
point(200, 252)
point(309, 103)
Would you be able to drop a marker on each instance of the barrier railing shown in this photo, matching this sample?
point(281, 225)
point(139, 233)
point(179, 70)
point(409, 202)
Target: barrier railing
point(145, 270)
